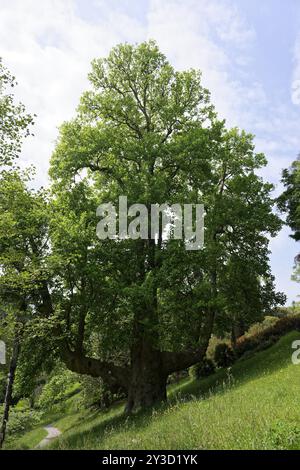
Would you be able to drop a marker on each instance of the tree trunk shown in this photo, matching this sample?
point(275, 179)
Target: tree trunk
point(9, 389)
point(241, 329)
point(238, 330)
point(148, 384)
point(233, 336)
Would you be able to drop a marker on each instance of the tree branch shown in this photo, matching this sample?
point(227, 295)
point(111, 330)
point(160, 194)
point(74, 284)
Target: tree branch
point(114, 376)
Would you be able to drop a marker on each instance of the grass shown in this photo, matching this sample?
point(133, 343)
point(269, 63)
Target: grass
point(254, 405)
point(29, 441)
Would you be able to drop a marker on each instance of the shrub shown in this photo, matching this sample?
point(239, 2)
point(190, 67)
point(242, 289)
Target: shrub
point(268, 336)
point(176, 377)
point(59, 387)
point(224, 355)
point(202, 369)
point(257, 328)
point(96, 394)
point(213, 343)
point(22, 421)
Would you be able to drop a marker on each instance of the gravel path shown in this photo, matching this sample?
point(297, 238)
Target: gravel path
point(52, 434)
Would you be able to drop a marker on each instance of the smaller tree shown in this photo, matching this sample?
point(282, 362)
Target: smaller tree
point(22, 236)
point(289, 202)
point(14, 126)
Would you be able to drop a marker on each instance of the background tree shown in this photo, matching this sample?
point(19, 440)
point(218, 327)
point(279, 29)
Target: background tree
point(14, 122)
point(22, 240)
point(14, 126)
point(289, 202)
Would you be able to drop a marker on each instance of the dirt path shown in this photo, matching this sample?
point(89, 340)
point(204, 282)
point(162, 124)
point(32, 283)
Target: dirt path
point(52, 434)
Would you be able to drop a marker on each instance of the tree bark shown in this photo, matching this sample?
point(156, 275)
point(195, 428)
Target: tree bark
point(148, 378)
point(9, 388)
point(115, 377)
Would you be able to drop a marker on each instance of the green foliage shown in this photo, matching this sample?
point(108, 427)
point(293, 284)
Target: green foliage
point(289, 202)
point(22, 420)
point(15, 123)
point(26, 441)
point(256, 328)
point(213, 342)
point(140, 132)
point(259, 409)
point(202, 369)
point(224, 355)
point(56, 390)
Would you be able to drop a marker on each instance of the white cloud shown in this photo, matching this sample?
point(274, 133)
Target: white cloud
point(49, 48)
point(197, 34)
point(53, 46)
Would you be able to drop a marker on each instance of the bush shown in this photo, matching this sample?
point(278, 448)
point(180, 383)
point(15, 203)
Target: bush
point(59, 387)
point(176, 377)
point(22, 421)
point(257, 328)
point(213, 343)
point(224, 355)
point(268, 336)
point(202, 369)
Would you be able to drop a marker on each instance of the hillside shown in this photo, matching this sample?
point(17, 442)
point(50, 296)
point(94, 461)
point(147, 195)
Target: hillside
point(254, 405)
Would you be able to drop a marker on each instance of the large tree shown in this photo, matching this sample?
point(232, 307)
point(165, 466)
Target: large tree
point(134, 311)
point(149, 132)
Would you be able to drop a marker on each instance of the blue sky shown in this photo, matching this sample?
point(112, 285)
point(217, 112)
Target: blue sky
point(248, 51)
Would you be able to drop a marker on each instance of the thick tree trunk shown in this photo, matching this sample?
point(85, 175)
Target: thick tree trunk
point(148, 381)
point(148, 378)
point(9, 389)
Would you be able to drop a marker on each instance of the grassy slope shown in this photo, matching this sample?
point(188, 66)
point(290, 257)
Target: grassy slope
point(28, 441)
point(255, 406)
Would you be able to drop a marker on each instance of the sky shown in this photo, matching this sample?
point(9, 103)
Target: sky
point(248, 52)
